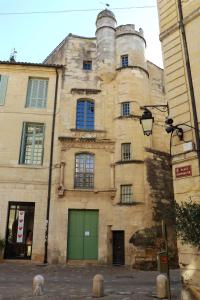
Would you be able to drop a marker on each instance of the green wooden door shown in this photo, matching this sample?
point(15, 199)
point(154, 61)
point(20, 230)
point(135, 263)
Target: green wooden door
point(83, 234)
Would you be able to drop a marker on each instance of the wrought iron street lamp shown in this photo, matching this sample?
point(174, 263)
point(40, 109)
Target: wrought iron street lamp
point(146, 120)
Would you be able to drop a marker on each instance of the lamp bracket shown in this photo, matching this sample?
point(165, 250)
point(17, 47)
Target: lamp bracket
point(160, 107)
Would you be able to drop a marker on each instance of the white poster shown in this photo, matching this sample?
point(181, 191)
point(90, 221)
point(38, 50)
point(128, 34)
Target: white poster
point(20, 227)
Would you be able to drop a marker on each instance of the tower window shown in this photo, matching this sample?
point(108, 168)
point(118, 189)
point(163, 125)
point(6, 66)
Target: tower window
point(126, 194)
point(124, 61)
point(125, 109)
point(126, 151)
point(87, 65)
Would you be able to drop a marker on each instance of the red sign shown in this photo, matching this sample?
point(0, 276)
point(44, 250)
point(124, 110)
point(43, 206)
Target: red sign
point(183, 171)
point(164, 259)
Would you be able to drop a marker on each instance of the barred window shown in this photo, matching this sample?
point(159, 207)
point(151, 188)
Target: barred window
point(126, 151)
point(124, 61)
point(87, 65)
point(84, 171)
point(126, 194)
point(85, 114)
point(37, 92)
point(125, 109)
point(32, 146)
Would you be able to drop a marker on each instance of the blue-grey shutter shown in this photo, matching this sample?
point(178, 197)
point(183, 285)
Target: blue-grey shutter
point(37, 93)
point(3, 88)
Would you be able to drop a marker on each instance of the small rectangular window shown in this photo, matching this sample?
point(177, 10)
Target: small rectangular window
point(87, 65)
point(32, 146)
point(126, 151)
point(124, 61)
point(126, 194)
point(3, 88)
point(125, 109)
point(37, 93)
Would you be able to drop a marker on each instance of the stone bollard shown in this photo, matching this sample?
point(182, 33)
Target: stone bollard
point(162, 286)
point(97, 288)
point(38, 285)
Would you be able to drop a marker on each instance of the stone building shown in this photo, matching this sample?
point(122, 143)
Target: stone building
point(106, 191)
point(107, 177)
point(179, 34)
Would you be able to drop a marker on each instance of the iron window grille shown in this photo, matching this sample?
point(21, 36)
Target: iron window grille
point(126, 151)
point(37, 92)
point(85, 115)
point(87, 65)
point(32, 146)
point(125, 109)
point(84, 171)
point(124, 61)
point(126, 195)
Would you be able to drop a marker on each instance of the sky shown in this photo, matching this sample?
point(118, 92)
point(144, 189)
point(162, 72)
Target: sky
point(34, 36)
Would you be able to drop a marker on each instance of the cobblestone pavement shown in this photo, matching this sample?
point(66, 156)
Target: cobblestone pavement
point(73, 282)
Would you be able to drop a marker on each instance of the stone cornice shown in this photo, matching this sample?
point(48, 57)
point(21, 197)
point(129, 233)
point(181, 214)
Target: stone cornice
point(133, 67)
point(85, 144)
point(83, 91)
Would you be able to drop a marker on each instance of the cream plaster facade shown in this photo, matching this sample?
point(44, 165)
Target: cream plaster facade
point(179, 96)
point(20, 182)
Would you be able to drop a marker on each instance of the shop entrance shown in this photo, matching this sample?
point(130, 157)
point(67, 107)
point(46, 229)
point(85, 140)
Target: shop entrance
point(19, 233)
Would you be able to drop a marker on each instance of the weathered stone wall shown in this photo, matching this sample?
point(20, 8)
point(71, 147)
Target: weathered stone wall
point(108, 85)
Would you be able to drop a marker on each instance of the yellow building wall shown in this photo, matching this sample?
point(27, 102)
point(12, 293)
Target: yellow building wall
point(24, 183)
point(179, 99)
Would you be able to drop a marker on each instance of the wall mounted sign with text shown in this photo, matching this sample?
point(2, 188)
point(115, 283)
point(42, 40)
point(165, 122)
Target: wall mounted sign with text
point(183, 171)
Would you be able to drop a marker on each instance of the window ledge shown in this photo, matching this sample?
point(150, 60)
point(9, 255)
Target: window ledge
point(131, 116)
point(132, 161)
point(86, 130)
point(91, 190)
point(134, 203)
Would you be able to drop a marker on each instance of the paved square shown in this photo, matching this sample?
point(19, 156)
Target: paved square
point(75, 282)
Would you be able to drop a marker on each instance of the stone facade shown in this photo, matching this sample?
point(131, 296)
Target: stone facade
point(118, 81)
point(109, 85)
point(179, 34)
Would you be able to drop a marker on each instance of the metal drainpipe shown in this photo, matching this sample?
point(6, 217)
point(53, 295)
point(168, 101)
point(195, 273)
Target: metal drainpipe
point(50, 171)
point(189, 74)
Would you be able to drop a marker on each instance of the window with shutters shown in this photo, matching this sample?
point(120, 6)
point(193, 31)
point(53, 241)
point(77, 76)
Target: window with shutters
point(126, 194)
point(37, 92)
point(32, 145)
point(84, 171)
point(85, 114)
point(3, 88)
point(126, 151)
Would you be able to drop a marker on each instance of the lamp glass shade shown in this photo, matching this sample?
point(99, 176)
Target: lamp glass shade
point(147, 122)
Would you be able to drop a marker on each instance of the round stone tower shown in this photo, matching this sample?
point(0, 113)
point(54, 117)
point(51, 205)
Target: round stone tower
point(130, 43)
point(105, 35)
